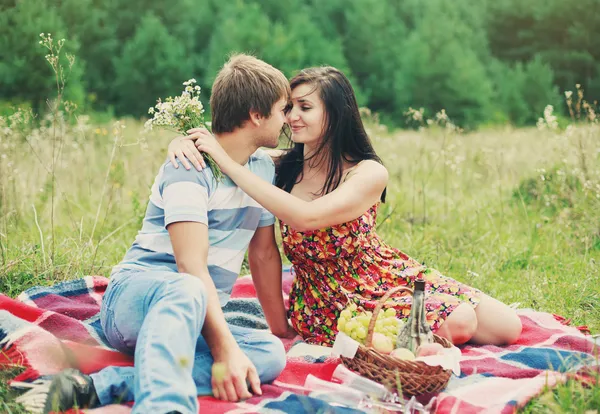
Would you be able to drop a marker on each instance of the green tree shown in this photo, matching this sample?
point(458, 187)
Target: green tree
point(153, 64)
point(509, 104)
point(91, 25)
point(289, 46)
point(440, 69)
point(299, 43)
point(24, 73)
point(562, 34)
point(539, 89)
point(242, 28)
point(371, 39)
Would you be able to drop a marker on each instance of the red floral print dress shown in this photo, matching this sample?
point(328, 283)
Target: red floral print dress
point(351, 262)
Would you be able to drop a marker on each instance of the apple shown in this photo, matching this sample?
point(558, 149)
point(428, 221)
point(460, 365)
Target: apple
point(403, 353)
point(429, 349)
point(382, 343)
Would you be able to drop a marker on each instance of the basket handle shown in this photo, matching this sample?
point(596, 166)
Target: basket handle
point(384, 298)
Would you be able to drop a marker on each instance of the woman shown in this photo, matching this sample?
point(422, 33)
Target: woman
point(328, 189)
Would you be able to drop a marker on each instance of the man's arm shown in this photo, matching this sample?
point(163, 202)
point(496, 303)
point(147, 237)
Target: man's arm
point(265, 266)
point(190, 247)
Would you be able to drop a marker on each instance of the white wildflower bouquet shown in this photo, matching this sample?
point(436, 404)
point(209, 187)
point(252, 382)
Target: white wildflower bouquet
point(181, 114)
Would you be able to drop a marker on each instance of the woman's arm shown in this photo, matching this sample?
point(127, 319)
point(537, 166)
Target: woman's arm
point(184, 149)
point(347, 202)
point(360, 191)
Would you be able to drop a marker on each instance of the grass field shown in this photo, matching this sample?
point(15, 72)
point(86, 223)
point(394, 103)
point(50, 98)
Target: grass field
point(513, 212)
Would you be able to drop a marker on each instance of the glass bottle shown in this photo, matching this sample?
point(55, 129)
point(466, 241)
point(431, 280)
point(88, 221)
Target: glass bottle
point(416, 331)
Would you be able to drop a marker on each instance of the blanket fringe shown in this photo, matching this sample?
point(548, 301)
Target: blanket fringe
point(584, 329)
point(34, 399)
point(10, 356)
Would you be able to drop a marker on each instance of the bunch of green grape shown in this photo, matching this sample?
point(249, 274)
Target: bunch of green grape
point(355, 323)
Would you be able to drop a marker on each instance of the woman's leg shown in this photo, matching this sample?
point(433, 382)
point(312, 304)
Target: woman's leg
point(497, 324)
point(460, 326)
point(490, 323)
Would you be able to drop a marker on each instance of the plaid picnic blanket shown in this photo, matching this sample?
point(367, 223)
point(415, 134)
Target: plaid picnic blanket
point(47, 329)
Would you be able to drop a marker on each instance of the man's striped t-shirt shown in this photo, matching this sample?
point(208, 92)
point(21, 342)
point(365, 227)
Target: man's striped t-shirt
point(231, 215)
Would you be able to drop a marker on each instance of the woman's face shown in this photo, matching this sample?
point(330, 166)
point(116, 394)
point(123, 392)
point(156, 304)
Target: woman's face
point(306, 117)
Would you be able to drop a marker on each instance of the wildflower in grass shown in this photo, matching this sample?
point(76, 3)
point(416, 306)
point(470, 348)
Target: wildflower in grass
point(549, 121)
point(181, 114)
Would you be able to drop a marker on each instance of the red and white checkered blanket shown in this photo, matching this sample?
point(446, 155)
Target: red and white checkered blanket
point(48, 329)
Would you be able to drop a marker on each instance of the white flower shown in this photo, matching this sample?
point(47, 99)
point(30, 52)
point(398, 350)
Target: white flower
point(540, 124)
point(549, 121)
point(179, 113)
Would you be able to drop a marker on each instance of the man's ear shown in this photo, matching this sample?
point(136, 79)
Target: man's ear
point(255, 118)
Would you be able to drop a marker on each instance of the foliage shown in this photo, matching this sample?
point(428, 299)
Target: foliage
point(152, 64)
point(484, 62)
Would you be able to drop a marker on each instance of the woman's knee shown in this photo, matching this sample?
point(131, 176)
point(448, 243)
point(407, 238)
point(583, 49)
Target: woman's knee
point(512, 327)
point(460, 325)
point(498, 323)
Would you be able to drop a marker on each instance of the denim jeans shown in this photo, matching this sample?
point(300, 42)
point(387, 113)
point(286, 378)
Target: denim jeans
point(157, 316)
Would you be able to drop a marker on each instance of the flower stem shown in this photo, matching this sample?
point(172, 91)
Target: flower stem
point(214, 167)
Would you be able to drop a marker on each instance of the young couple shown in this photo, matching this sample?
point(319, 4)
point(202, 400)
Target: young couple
point(164, 301)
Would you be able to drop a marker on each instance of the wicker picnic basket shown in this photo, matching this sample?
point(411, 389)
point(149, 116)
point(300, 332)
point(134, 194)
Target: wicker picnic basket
point(408, 377)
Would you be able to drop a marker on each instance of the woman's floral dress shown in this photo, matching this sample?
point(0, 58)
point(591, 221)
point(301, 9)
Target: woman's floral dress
point(350, 261)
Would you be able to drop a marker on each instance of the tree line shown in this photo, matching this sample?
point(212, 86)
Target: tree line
point(486, 61)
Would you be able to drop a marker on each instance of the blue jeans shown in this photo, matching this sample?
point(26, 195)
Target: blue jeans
point(157, 316)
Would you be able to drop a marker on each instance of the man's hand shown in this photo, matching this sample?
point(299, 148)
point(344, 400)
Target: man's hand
point(190, 245)
point(232, 372)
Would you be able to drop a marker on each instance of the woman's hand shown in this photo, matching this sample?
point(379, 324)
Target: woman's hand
point(183, 148)
point(206, 142)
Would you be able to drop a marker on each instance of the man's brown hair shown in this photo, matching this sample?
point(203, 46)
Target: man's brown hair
point(245, 84)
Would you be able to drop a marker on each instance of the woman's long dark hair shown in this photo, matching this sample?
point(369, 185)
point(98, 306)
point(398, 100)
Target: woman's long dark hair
point(344, 135)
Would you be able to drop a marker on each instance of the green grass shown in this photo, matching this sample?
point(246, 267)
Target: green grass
point(513, 212)
point(7, 395)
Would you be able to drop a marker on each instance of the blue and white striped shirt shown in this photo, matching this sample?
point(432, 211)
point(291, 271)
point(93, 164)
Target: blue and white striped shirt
point(231, 215)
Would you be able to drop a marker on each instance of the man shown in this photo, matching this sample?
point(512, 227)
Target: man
point(164, 301)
